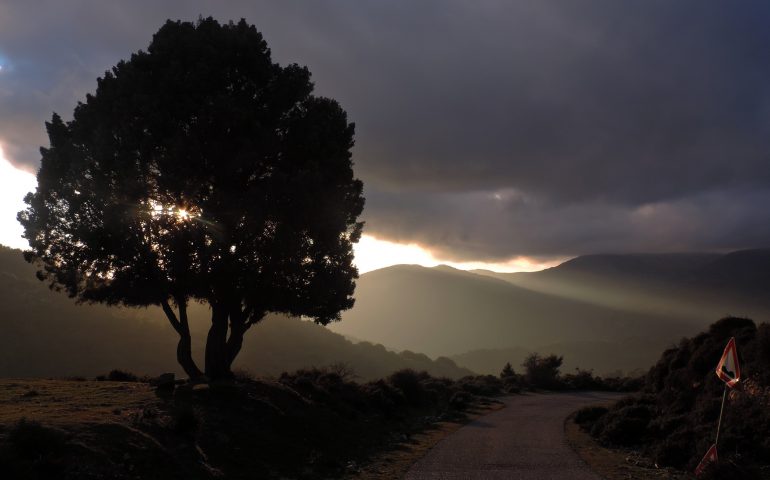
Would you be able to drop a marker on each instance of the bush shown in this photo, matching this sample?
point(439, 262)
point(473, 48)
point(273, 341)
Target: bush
point(483, 385)
point(383, 397)
point(675, 449)
point(626, 423)
point(583, 380)
point(507, 371)
point(409, 383)
point(460, 400)
point(587, 416)
point(542, 372)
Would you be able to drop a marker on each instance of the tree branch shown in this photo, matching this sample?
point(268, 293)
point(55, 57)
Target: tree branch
point(172, 316)
point(182, 305)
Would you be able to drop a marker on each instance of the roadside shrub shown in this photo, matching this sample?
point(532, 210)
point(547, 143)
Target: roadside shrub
point(437, 390)
point(543, 372)
point(624, 427)
point(676, 449)
point(623, 384)
point(587, 416)
point(383, 397)
point(512, 384)
point(325, 386)
point(409, 383)
point(482, 385)
point(460, 400)
point(582, 380)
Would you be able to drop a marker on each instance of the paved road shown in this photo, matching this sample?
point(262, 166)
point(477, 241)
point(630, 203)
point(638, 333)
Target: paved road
point(523, 441)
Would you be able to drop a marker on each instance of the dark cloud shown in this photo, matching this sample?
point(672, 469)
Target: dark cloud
point(601, 125)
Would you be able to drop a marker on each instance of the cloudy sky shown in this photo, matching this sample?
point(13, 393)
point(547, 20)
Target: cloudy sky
point(487, 131)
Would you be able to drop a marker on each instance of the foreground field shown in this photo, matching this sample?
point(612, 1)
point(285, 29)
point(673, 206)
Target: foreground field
point(309, 424)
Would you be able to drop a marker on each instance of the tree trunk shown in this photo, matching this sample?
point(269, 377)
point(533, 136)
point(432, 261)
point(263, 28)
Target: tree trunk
point(184, 347)
point(217, 366)
point(234, 344)
point(240, 322)
point(184, 357)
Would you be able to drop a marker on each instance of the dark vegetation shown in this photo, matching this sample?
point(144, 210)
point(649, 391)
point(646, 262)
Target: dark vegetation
point(674, 418)
point(313, 423)
point(543, 373)
point(200, 171)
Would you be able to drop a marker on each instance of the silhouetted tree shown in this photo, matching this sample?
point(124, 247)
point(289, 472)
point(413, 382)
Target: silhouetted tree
point(507, 371)
point(201, 171)
point(542, 372)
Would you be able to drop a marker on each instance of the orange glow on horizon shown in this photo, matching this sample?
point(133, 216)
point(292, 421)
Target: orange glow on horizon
point(373, 253)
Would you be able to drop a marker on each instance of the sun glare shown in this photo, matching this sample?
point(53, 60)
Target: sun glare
point(14, 185)
point(178, 213)
point(372, 253)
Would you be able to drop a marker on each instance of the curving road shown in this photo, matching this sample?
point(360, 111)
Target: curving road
point(523, 441)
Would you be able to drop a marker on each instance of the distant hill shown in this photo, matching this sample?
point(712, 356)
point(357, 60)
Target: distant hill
point(696, 287)
point(606, 312)
point(443, 311)
point(44, 333)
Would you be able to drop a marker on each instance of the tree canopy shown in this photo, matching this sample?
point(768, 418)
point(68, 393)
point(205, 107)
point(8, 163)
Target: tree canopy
point(201, 171)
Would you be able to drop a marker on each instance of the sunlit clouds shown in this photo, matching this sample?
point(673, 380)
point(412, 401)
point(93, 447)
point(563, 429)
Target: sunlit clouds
point(373, 253)
point(14, 185)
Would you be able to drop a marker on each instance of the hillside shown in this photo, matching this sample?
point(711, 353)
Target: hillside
point(46, 334)
point(444, 311)
point(692, 286)
point(606, 312)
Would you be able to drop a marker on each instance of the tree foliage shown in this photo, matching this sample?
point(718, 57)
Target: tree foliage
point(507, 371)
point(201, 171)
point(542, 372)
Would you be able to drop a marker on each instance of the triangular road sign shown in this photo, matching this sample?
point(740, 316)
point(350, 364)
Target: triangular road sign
point(711, 456)
point(728, 369)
